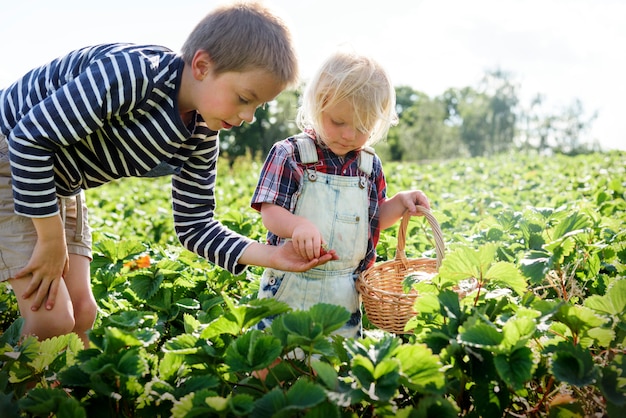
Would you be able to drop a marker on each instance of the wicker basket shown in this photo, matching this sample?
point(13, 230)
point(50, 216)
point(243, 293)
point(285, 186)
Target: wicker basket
point(386, 304)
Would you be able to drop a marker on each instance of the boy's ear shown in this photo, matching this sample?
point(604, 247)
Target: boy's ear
point(201, 64)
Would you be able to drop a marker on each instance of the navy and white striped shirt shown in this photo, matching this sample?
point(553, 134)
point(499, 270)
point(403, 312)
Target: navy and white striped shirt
point(110, 111)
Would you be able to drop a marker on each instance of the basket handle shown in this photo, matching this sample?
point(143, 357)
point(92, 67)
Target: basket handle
point(439, 244)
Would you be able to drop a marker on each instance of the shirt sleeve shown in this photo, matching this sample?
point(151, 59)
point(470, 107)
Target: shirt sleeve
point(193, 203)
point(280, 177)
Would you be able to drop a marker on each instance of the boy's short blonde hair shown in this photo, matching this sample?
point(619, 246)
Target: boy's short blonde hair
point(361, 81)
point(245, 36)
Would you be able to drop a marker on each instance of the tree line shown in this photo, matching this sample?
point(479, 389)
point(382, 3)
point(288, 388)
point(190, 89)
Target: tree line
point(483, 120)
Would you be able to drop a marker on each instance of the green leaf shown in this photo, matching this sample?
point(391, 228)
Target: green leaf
point(515, 368)
point(330, 317)
point(578, 318)
point(326, 373)
point(436, 406)
point(252, 351)
point(481, 335)
point(241, 405)
point(118, 339)
point(571, 225)
point(132, 363)
point(145, 283)
point(270, 404)
point(363, 369)
point(460, 264)
point(535, 265)
point(506, 275)
point(49, 350)
point(421, 369)
point(517, 331)
point(182, 344)
point(188, 303)
point(426, 303)
point(613, 385)
point(48, 402)
point(573, 364)
point(613, 302)
point(304, 394)
point(221, 325)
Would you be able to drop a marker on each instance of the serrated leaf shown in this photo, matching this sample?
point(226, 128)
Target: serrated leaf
point(270, 404)
point(420, 367)
point(578, 318)
point(252, 351)
point(535, 265)
point(304, 394)
point(241, 405)
point(506, 275)
point(613, 302)
point(188, 303)
point(49, 349)
point(219, 326)
point(517, 331)
point(515, 368)
point(145, 284)
point(460, 264)
point(326, 373)
point(573, 364)
point(571, 225)
point(481, 335)
point(182, 344)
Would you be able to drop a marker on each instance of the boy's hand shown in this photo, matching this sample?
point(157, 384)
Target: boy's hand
point(48, 263)
point(286, 258)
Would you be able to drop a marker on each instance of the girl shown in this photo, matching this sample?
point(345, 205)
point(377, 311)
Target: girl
point(326, 186)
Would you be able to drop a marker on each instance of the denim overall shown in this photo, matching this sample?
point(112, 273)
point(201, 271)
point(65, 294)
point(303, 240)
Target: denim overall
point(339, 207)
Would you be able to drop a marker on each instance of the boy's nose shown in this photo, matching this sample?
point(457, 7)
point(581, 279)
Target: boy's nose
point(247, 116)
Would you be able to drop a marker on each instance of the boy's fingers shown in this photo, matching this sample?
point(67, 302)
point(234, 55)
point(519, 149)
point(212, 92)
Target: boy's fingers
point(52, 293)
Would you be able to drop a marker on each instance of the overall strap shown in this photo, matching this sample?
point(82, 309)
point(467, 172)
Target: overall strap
point(366, 160)
point(308, 151)
point(308, 154)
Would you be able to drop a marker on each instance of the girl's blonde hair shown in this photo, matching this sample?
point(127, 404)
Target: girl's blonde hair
point(242, 36)
point(361, 81)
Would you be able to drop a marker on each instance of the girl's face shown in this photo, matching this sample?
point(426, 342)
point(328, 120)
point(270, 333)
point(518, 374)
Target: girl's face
point(340, 133)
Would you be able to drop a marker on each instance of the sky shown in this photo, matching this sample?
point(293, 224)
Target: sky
point(566, 50)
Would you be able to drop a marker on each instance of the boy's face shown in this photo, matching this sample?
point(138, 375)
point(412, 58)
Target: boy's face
point(230, 98)
point(340, 133)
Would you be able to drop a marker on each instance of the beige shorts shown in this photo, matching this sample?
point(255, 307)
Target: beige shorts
point(17, 233)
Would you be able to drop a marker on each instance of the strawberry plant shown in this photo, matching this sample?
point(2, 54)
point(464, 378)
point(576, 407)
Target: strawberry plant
point(525, 318)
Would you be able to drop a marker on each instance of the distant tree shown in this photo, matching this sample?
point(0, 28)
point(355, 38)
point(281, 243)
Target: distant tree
point(421, 132)
point(565, 130)
point(486, 116)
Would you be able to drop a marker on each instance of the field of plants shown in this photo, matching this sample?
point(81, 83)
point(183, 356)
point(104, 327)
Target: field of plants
point(543, 334)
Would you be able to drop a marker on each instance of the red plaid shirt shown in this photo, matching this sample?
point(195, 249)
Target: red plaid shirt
point(282, 174)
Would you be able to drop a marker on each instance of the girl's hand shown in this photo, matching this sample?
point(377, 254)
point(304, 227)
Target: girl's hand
point(307, 240)
point(391, 210)
point(48, 263)
point(413, 198)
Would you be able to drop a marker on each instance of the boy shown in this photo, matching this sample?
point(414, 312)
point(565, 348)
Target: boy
point(120, 110)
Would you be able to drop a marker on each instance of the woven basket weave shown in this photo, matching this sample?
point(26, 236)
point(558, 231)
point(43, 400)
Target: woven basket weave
point(386, 304)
